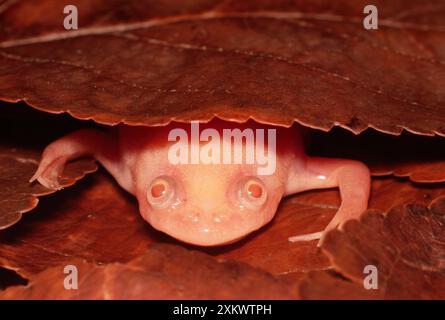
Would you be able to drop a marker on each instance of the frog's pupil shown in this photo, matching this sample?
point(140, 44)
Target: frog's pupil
point(255, 190)
point(158, 190)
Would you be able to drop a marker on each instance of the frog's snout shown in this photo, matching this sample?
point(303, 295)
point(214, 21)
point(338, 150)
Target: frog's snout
point(208, 228)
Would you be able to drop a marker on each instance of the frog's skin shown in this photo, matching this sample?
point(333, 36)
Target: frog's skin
point(204, 204)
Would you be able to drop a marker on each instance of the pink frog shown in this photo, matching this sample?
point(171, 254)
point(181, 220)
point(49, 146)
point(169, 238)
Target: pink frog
point(210, 202)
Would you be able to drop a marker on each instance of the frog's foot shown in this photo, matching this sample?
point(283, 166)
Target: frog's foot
point(353, 180)
point(85, 142)
point(306, 237)
point(341, 217)
point(49, 170)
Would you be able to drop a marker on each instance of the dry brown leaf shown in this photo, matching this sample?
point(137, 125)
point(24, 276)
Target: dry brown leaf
point(162, 272)
point(147, 62)
point(329, 285)
point(407, 247)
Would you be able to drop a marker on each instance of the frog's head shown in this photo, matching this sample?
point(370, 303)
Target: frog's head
point(211, 203)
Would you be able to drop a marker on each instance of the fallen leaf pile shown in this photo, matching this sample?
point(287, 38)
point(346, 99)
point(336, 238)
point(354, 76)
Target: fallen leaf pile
point(277, 62)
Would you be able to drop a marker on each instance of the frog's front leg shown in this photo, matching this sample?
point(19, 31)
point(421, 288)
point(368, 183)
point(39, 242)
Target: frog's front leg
point(86, 142)
point(351, 177)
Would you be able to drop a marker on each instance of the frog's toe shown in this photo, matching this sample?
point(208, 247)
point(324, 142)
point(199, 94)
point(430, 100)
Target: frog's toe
point(48, 173)
point(306, 237)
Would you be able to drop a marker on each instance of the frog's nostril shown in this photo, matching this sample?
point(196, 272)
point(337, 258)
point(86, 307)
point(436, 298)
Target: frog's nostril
point(194, 216)
point(219, 217)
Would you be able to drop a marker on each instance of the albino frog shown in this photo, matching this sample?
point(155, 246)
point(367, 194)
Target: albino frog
point(209, 203)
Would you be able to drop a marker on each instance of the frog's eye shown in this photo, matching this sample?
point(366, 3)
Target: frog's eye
point(162, 192)
point(252, 192)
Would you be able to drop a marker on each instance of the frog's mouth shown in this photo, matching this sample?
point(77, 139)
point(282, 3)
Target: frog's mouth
point(208, 237)
point(207, 232)
point(218, 224)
